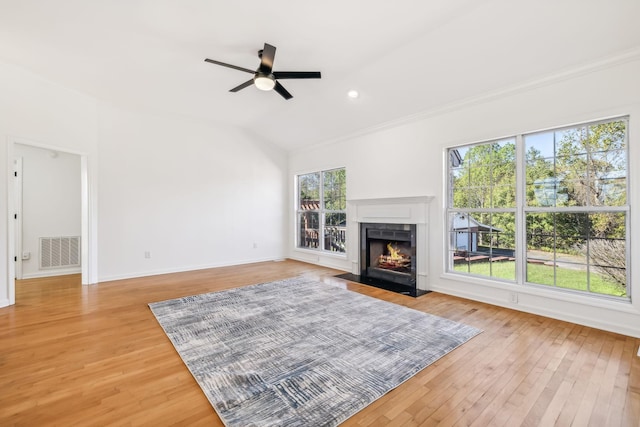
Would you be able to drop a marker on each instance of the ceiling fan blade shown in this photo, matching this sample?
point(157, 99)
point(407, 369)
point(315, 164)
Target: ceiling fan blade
point(242, 86)
point(282, 91)
point(266, 60)
point(297, 74)
point(235, 67)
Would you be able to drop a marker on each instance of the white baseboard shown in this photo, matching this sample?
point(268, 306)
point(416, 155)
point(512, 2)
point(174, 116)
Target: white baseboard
point(146, 273)
point(4, 302)
point(322, 259)
point(51, 273)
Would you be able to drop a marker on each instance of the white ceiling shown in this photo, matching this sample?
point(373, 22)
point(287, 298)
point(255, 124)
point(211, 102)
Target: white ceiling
point(405, 57)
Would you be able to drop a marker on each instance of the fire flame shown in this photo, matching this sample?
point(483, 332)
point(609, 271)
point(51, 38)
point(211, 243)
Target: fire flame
point(396, 260)
point(394, 253)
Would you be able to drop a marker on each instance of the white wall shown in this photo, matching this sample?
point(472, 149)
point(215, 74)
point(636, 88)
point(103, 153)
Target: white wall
point(605, 90)
point(51, 207)
point(190, 194)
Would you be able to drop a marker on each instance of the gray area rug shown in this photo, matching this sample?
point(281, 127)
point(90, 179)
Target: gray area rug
point(298, 352)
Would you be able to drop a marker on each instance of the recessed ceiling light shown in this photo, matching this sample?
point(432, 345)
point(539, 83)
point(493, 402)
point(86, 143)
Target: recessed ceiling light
point(353, 94)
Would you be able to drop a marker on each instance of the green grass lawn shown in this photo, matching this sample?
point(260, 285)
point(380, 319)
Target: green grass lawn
point(544, 275)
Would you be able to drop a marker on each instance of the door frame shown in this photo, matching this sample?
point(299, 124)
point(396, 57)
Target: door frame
point(88, 216)
point(17, 196)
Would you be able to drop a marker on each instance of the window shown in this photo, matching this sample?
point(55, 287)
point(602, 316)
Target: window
point(322, 211)
point(482, 213)
point(553, 202)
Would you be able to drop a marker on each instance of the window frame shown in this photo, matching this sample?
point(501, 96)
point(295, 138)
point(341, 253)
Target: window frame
point(322, 212)
point(522, 210)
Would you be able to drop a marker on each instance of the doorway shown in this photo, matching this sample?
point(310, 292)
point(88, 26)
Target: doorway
point(49, 214)
point(48, 208)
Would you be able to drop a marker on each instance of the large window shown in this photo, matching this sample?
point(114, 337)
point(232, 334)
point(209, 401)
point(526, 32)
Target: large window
point(322, 211)
point(544, 209)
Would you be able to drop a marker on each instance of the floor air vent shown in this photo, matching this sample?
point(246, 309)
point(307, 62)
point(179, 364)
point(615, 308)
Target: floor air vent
point(58, 252)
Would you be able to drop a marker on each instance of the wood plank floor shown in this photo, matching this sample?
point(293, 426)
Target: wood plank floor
point(95, 355)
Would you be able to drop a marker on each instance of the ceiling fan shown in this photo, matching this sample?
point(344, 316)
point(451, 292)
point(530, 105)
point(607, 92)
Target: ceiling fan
point(264, 78)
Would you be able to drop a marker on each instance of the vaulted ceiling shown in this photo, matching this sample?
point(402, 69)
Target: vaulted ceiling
point(405, 57)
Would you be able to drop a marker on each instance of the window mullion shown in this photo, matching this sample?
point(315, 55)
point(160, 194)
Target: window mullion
point(521, 229)
point(321, 214)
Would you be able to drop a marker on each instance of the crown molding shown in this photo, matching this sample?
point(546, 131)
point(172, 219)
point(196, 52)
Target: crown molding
point(566, 74)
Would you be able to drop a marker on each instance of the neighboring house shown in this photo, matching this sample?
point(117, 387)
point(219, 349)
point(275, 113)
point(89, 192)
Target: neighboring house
point(467, 232)
point(309, 232)
point(550, 192)
point(309, 236)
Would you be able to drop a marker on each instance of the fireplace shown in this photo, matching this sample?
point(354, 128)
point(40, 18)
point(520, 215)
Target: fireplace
point(388, 252)
point(392, 247)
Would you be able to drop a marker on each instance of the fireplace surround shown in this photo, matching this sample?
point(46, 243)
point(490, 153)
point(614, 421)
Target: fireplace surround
point(402, 222)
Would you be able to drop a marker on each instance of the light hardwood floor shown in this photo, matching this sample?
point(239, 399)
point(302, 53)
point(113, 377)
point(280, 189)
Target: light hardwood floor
point(95, 355)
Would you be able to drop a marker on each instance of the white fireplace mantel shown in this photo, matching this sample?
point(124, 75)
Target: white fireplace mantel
point(392, 210)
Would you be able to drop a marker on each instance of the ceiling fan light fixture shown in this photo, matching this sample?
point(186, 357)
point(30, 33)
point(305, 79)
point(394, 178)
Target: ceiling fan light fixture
point(264, 78)
point(264, 82)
